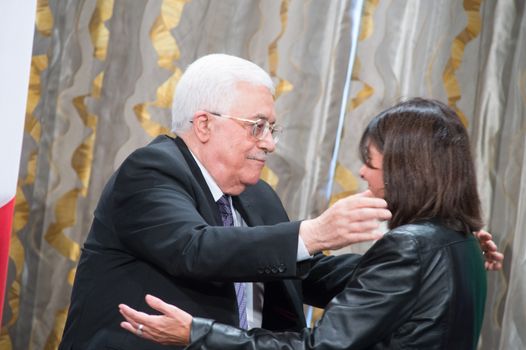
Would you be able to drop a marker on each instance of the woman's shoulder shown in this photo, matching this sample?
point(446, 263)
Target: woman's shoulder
point(429, 234)
point(420, 228)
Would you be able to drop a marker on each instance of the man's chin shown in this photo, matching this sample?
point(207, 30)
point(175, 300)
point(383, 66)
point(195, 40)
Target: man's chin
point(252, 180)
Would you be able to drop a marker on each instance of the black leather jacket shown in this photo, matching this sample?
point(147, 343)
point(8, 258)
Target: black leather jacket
point(422, 286)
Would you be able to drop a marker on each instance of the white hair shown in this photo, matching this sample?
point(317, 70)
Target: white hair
point(209, 84)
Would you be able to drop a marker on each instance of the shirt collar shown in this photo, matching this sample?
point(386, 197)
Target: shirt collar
point(212, 185)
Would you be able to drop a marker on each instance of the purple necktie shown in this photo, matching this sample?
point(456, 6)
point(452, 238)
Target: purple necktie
point(228, 220)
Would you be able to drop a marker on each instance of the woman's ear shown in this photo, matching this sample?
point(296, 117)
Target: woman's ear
point(201, 125)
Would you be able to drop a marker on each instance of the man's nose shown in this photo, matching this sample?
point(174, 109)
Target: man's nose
point(268, 143)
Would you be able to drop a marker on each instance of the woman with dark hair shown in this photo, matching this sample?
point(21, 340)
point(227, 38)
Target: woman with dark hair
point(421, 286)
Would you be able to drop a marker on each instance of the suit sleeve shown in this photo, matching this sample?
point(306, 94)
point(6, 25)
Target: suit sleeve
point(157, 217)
point(375, 302)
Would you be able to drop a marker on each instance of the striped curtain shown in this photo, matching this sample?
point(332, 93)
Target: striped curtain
point(102, 77)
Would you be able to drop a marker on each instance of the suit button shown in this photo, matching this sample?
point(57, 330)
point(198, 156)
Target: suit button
point(274, 270)
point(261, 270)
point(267, 270)
point(282, 268)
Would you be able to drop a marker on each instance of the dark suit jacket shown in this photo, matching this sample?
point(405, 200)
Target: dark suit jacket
point(157, 230)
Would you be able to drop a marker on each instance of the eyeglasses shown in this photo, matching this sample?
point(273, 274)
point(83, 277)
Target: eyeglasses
point(260, 126)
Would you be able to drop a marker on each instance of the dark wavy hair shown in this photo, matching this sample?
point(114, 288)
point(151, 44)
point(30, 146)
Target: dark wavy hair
point(427, 164)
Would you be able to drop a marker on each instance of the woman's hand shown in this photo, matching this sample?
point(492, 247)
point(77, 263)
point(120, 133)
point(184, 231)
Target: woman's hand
point(493, 258)
point(170, 328)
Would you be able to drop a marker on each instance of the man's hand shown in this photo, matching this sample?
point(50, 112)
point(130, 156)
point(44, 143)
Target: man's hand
point(489, 249)
point(170, 328)
point(350, 220)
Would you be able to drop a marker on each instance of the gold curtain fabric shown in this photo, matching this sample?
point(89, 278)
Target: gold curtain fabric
point(102, 76)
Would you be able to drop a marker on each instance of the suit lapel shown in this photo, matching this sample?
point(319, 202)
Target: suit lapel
point(243, 205)
point(208, 205)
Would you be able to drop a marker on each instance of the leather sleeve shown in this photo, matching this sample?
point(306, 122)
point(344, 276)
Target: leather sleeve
point(375, 302)
point(327, 278)
point(158, 216)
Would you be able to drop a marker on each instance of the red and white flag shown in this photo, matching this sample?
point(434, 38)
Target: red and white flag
point(16, 40)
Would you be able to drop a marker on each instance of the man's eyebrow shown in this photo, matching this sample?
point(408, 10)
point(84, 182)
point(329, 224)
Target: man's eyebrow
point(261, 116)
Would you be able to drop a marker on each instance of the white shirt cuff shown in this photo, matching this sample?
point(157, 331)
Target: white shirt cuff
point(303, 253)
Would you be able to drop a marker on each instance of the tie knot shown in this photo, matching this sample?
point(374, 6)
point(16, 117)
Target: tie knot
point(225, 210)
point(224, 200)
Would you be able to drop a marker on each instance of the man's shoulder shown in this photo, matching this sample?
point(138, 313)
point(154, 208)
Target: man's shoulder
point(162, 150)
point(160, 144)
point(160, 158)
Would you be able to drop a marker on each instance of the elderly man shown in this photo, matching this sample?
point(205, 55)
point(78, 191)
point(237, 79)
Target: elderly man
point(188, 220)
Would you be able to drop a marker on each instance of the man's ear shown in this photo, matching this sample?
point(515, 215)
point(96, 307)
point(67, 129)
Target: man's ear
point(201, 125)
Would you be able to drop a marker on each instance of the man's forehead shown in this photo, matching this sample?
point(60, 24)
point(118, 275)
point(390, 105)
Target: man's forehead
point(253, 102)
